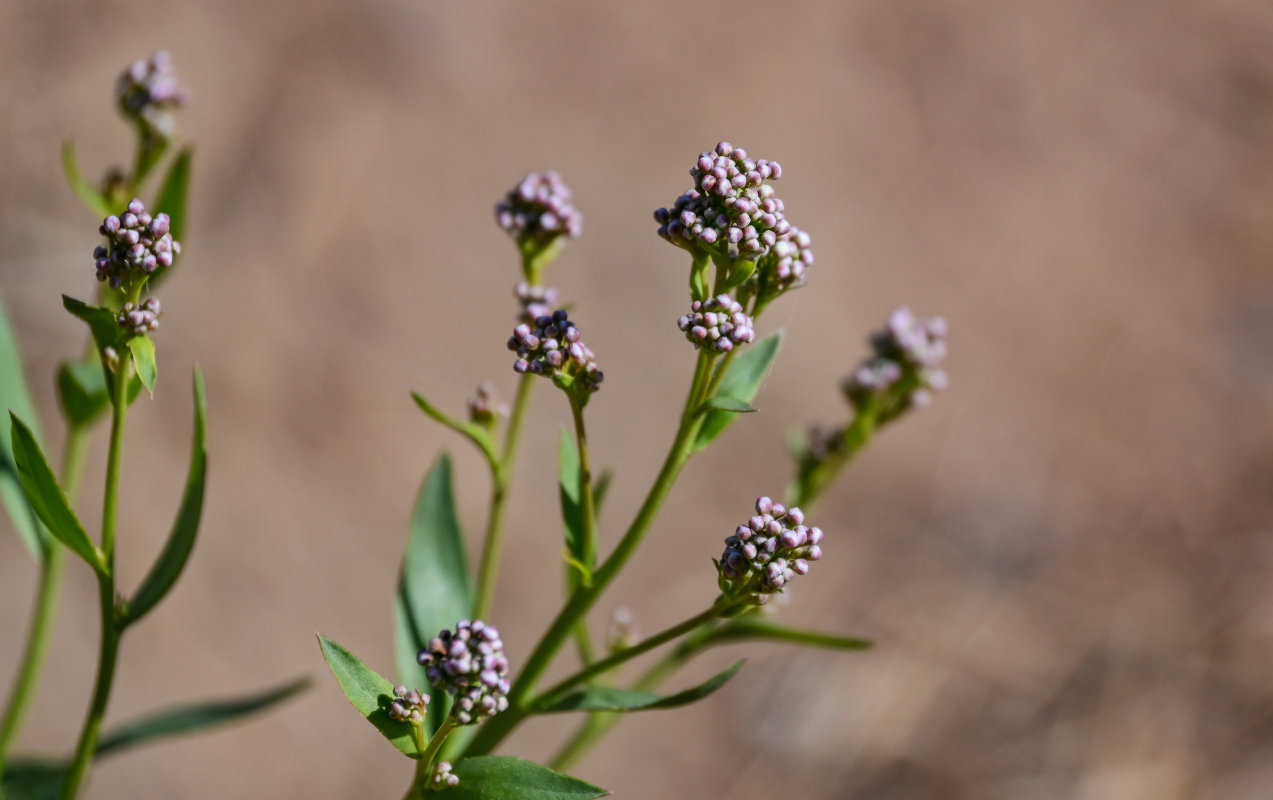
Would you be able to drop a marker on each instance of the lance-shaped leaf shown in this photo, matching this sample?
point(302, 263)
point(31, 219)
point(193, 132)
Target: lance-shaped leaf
point(143, 349)
point(607, 698)
point(435, 590)
point(82, 392)
point(171, 200)
point(15, 398)
point(569, 488)
point(740, 384)
point(752, 628)
point(163, 575)
point(730, 404)
point(601, 489)
point(101, 321)
point(370, 693)
point(46, 498)
point(510, 778)
point(32, 779)
point(195, 717)
point(81, 185)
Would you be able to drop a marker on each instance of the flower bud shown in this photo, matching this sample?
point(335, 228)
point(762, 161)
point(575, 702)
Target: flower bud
point(470, 665)
point(767, 552)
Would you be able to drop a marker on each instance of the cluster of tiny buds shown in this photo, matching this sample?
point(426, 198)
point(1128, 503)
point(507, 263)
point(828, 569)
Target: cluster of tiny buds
point(443, 777)
point(906, 347)
point(539, 207)
point(140, 319)
point(135, 240)
point(769, 551)
point(622, 632)
point(484, 405)
point(111, 356)
point(147, 91)
point(731, 209)
point(553, 344)
point(408, 705)
point(536, 301)
point(717, 322)
point(470, 665)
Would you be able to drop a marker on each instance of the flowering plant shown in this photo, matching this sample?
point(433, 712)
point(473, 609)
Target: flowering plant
point(140, 247)
point(458, 692)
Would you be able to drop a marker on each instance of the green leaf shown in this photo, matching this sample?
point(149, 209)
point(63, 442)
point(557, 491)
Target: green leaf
point(752, 628)
point(82, 392)
point(143, 348)
point(478, 435)
point(607, 698)
point(32, 779)
point(101, 321)
point(510, 778)
point(46, 498)
point(15, 398)
point(730, 404)
point(163, 575)
point(741, 382)
point(173, 193)
point(435, 589)
point(81, 185)
point(568, 487)
point(196, 717)
point(601, 489)
point(370, 693)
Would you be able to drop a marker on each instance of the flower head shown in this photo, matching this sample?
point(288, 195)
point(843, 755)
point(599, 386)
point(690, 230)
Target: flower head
point(443, 777)
point(784, 267)
point(554, 346)
point(470, 665)
point(147, 92)
point(731, 211)
point(140, 319)
point(408, 705)
point(768, 552)
point(718, 323)
point(137, 244)
point(537, 211)
point(536, 301)
point(905, 367)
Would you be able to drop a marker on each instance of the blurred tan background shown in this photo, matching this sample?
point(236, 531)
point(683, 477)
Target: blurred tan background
point(1066, 561)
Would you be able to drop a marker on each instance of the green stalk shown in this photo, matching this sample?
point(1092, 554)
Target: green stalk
point(111, 631)
point(718, 608)
point(494, 731)
point(424, 764)
point(45, 612)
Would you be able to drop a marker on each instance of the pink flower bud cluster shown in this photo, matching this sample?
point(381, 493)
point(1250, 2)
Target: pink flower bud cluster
point(718, 323)
point(470, 665)
point(908, 352)
point(768, 552)
point(148, 92)
point(554, 346)
point(140, 319)
point(539, 209)
point(136, 242)
point(408, 705)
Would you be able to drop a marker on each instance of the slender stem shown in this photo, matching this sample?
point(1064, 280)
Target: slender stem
point(111, 630)
point(494, 731)
point(644, 646)
point(493, 542)
point(45, 612)
point(424, 764)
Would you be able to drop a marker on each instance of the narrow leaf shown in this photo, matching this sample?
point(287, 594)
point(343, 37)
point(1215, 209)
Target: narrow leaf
point(172, 194)
point(32, 779)
point(163, 575)
point(510, 778)
point(143, 348)
point(568, 487)
point(82, 392)
point(478, 435)
point(606, 698)
point(601, 489)
point(370, 694)
point(197, 717)
point(752, 628)
point(46, 498)
point(435, 590)
point(81, 185)
point(101, 321)
point(742, 382)
point(730, 404)
point(15, 397)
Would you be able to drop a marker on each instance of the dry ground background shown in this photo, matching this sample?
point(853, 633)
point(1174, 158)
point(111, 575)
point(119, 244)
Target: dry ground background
point(1066, 561)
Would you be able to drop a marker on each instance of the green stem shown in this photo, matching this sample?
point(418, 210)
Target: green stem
point(424, 764)
point(493, 542)
point(493, 732)
point(718, 608)
point(45, 612)
point(111, 630)
point(585, 485)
